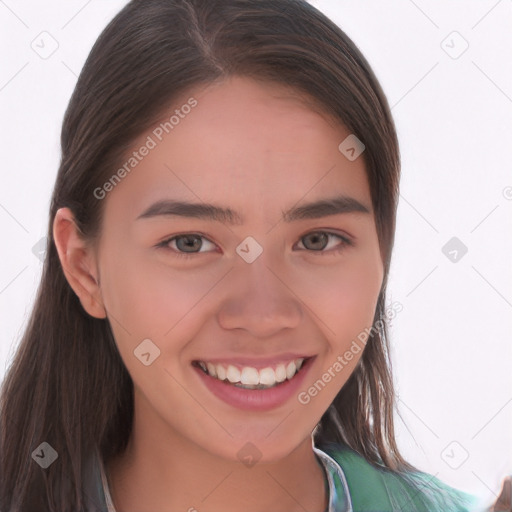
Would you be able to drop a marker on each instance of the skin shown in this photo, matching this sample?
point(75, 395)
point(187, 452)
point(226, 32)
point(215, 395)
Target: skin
point(258, 149)
point(504, 500)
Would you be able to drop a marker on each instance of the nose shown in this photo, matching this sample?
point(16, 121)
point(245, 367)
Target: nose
point(259, 300)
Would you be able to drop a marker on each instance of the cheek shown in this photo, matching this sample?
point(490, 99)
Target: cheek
point(344, 305)
point(343, 298)
point(146, 298)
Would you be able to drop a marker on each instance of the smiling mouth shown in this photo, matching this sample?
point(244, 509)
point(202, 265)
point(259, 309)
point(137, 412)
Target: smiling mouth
point(249, 377)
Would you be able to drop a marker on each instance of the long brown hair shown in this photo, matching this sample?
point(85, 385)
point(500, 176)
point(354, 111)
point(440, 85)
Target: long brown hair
point(67, 384)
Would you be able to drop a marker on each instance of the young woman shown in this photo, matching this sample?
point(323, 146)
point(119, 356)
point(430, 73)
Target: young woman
point(210, 329)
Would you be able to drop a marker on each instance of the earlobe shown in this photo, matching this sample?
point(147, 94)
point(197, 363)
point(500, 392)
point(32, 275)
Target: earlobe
point(78, 262)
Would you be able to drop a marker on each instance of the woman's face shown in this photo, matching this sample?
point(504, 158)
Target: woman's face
point(272, 281)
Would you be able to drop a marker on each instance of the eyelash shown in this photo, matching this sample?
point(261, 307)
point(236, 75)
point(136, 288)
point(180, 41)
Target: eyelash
point(345, 242)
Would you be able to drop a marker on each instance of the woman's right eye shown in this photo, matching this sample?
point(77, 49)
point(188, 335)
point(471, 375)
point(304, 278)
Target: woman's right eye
point(184, 245)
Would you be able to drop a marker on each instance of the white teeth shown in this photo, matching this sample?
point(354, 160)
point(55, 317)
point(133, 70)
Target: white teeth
point(281, 373)
point(221, 372)
point(291, 370)
point(267, 377)
point(211, 369)
point(233, 374)
point(251, 377)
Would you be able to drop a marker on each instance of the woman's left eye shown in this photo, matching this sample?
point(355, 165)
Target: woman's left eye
point(185, 245)
point(322, 238)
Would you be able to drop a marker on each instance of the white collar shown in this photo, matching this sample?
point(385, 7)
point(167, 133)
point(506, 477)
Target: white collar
point(337, 503)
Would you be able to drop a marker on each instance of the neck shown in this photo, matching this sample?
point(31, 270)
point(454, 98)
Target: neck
point(166, 472)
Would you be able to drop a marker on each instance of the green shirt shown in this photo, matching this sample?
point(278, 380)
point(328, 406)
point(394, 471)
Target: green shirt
point(374, 489)
point(371, 489)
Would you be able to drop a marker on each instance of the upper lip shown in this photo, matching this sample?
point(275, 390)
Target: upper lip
point(258, 363)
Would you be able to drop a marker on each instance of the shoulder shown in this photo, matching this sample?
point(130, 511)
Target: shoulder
point(375, 489)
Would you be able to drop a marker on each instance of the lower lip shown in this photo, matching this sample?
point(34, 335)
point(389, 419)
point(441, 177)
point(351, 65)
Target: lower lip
point(256, 399)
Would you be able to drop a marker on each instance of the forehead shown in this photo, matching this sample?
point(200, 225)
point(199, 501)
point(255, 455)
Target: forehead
point(255, 146)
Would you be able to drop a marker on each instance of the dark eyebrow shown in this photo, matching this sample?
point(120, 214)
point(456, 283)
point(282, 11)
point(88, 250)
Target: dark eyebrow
point(315, 210)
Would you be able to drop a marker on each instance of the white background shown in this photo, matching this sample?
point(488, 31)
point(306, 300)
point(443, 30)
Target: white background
point(452, 343)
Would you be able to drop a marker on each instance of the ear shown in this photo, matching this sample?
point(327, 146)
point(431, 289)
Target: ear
point(78, 262)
